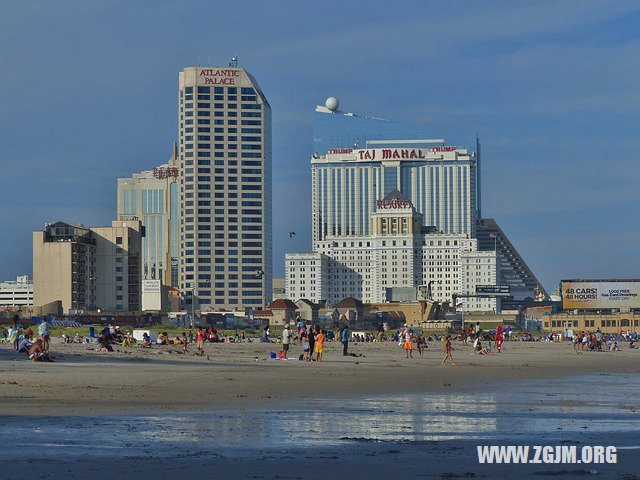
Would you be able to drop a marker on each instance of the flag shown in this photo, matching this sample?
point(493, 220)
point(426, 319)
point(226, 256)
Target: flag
point(492, 235)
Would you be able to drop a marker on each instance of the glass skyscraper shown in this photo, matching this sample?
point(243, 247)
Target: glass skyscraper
point(224, 151)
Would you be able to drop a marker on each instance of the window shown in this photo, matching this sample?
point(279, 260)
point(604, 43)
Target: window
point(118, 240)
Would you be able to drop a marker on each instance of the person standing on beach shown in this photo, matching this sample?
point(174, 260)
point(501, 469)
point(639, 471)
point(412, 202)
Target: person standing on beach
point(344, 338)
point(200, 339)
point(14, 332)
point(286, 340)
point(312, 341)
point(185, 343)
point(447, 351)
point(43, 330)
point(422, 344)
point(380, 332)
point(320, 336)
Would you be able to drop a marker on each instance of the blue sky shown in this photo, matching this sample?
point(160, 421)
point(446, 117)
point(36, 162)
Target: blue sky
point(88, 93)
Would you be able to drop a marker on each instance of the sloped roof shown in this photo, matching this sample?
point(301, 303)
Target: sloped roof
point(307, 302)
point(282, 303)
point(349, 302)
point(395, 193)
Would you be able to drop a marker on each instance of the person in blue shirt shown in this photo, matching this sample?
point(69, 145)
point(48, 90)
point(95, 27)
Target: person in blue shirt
point(43, 330)
point(344, 338)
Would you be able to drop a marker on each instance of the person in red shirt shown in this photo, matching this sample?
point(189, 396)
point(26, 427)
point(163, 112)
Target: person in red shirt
point(499, 338)
point(200, 342)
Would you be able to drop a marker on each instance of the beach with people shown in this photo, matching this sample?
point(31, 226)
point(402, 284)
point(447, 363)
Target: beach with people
point(167, 375)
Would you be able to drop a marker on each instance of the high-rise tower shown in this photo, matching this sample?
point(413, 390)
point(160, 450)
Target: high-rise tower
point(224, 151)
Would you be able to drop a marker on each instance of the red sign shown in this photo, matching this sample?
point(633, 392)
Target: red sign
point(219, 76)
point(443, 149)
point(394, 203)
point(400, 153)
point(160, 172)
point(340, 150)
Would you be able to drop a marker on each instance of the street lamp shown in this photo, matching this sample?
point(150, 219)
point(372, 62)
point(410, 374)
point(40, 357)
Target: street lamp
point(193, 301)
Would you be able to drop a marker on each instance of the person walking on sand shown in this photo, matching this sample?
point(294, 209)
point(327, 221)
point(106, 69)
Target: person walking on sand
point(499, 338)
point(447, 351)
point(286, 340)
point(422, 344)
point(408, 342)
point(320, 336)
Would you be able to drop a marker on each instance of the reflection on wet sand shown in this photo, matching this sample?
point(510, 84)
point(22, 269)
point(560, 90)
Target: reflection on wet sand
point(542, 409)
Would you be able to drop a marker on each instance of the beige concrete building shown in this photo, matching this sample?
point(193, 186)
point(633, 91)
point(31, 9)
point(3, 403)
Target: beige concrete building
point(283, 311)
point(151, 196)
point(88, 268)
point(307, 310)
point(613, 323)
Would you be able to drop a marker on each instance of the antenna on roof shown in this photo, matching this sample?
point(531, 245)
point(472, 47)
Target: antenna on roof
point(234, 61)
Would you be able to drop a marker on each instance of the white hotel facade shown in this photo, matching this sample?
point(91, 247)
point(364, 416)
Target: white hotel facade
point(397, 250)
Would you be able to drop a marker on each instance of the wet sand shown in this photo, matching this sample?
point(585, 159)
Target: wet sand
point(400, 436)
point(232, 376)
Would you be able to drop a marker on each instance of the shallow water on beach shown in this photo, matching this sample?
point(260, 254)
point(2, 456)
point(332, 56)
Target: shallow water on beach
point(582, 410)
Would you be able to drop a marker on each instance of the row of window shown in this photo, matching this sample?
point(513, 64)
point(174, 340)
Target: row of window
point(219, 121)
point(221, 130)
point(221, 90)
point(219, 97)
point(231, 106)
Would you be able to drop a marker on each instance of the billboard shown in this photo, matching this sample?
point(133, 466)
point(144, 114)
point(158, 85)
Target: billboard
point(151, 295)
point(497, 290)
point(600, 294)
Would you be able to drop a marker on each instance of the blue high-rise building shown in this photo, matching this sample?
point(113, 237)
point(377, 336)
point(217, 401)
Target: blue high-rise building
point(359, 160)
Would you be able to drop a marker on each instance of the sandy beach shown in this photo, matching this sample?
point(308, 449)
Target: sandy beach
point(162, 379)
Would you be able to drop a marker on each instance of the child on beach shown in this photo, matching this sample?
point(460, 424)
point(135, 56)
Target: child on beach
point(422, 344)
point(185, 343)
point(304, 342)
point(311, 337)
point(320, 336)
point(447, 351)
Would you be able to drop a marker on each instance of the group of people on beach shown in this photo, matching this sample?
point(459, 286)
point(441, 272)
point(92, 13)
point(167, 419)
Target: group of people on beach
point(37, 347)
point(311, 341)
point(600, 342)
